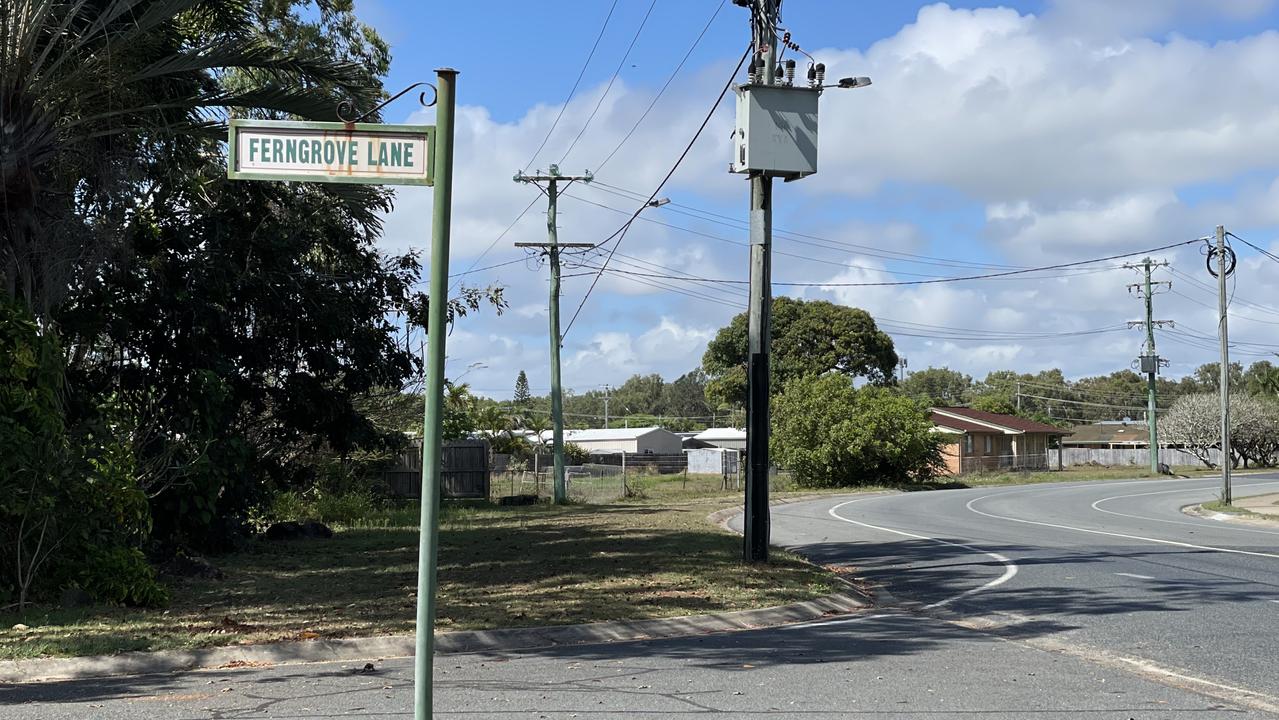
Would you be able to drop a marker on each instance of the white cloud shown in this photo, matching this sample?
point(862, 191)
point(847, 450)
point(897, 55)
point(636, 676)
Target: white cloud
point(1068, 135)
point(996, 105)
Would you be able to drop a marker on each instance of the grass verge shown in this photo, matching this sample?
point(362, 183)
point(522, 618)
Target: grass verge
point(1078, 473)
point(499, 567)
point(1241, 511)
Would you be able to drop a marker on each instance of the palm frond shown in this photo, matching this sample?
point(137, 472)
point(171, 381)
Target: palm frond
point(256, 55)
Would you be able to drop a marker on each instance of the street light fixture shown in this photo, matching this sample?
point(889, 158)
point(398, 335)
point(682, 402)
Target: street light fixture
point(850, 83)
point(658, 202)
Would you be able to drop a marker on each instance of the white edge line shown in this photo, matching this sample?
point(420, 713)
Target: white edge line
point(1217, 516)
point(1125, 536)
point(1010, 568)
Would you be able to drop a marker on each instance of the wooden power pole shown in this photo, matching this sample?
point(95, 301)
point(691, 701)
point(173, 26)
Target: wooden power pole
point(552, 248)
point(1150, 361)
point(1225, 265)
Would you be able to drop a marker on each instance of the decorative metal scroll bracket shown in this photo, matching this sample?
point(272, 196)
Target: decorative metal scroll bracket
point(346, 108)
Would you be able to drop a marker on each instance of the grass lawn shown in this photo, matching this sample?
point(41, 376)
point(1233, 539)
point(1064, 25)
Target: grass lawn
point(646, 556)
point(499, 567)
point(1218, 506)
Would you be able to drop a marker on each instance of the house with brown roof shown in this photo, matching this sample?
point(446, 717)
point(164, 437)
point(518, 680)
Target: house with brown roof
point(986, 441)
point(1110, 435)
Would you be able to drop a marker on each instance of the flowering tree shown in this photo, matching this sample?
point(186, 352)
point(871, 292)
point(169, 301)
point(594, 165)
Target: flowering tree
point(1193, 423)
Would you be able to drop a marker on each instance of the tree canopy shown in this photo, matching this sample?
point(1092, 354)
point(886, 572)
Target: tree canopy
point(809, 337)
point(217, 340)
point(830, 434)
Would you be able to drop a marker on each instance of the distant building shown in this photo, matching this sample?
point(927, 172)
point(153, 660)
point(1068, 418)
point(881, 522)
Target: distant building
point(1109, 436)
point(730, 438)
point(992, 441)
point(690, 442)
point(651, 440)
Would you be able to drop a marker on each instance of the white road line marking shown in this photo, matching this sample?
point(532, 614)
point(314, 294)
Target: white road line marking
point(1135, 575)
point(846, 621)
point(1010, 568)
point(1125, 536)
point(1097, 506)
point(1274, 601)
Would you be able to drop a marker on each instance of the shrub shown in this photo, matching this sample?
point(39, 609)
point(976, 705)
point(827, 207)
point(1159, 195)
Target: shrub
point(348, 508)
point(344, 509)
point(830, 434)
point(575, 454)
point(122, 575)
point(64, 495)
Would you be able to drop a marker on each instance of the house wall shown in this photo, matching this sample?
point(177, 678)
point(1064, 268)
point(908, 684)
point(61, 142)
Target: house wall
point(661, 442)
point(952, 454)
point(628, 446)
point(1032, 452)
point(730, 444)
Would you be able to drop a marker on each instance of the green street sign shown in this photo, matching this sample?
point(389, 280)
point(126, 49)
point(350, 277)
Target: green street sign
point(369, 153)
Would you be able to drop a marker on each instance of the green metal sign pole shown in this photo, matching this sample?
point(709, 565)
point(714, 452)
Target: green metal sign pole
point(431, 437)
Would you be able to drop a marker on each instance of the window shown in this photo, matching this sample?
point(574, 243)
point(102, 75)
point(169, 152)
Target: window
point(968, 444)
point(990, 444)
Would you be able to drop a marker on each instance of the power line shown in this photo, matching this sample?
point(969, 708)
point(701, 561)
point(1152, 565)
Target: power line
point(736, 224)
point(1081, 402)
point(490, 267)
point(665, 85)
point(986, 276)
point(573, 91)
point(620, 233)
point(611, 80)
point(822, 261)
point(1263, 251)
point(493, 244)
point(1210, 290)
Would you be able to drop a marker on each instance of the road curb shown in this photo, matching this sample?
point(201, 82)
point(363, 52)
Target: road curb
point(395, 646)
point(1256, 520)
point(446, 643)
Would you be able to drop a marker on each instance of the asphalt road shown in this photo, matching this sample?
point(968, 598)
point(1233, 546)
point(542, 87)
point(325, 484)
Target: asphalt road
point(1113, 567)
point(1055, 601)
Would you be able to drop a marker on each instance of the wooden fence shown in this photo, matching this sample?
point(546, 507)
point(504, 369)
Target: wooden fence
point(1139, 457)
point(464, 470)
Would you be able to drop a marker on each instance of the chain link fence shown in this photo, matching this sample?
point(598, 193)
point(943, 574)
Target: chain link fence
point(1002, 463)
point(608, 477)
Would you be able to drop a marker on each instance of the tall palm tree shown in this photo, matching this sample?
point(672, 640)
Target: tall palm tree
point(103, 101)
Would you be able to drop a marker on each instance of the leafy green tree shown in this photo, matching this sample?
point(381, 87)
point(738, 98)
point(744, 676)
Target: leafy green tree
point(1262, 378)
point(69, 506)
point(995, 402)
point(640, 394)
point(808, 338)
point(1207, 377)
point(107, 103)
point(830, 434)
point(575, 454)
point(460, 417)
point(938, 386)
point(685, 397)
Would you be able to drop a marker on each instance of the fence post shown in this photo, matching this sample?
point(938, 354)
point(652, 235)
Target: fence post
point(623, 473)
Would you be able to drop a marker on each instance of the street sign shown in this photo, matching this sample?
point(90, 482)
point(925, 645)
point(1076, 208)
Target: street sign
point(370, 153)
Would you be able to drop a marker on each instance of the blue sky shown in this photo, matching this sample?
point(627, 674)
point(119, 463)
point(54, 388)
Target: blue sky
point(1016, 135)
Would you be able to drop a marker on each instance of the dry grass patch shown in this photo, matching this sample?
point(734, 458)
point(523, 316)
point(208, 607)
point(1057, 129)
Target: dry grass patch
point(499, 567)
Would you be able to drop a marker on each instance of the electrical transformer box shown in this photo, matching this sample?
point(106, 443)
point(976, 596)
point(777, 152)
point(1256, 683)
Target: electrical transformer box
point(1149, 364)
point(776, 130)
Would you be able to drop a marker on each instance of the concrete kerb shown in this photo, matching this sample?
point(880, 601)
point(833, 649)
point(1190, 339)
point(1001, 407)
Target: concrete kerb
point(394, 646)
point(1257, 509)
point(463, 641)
